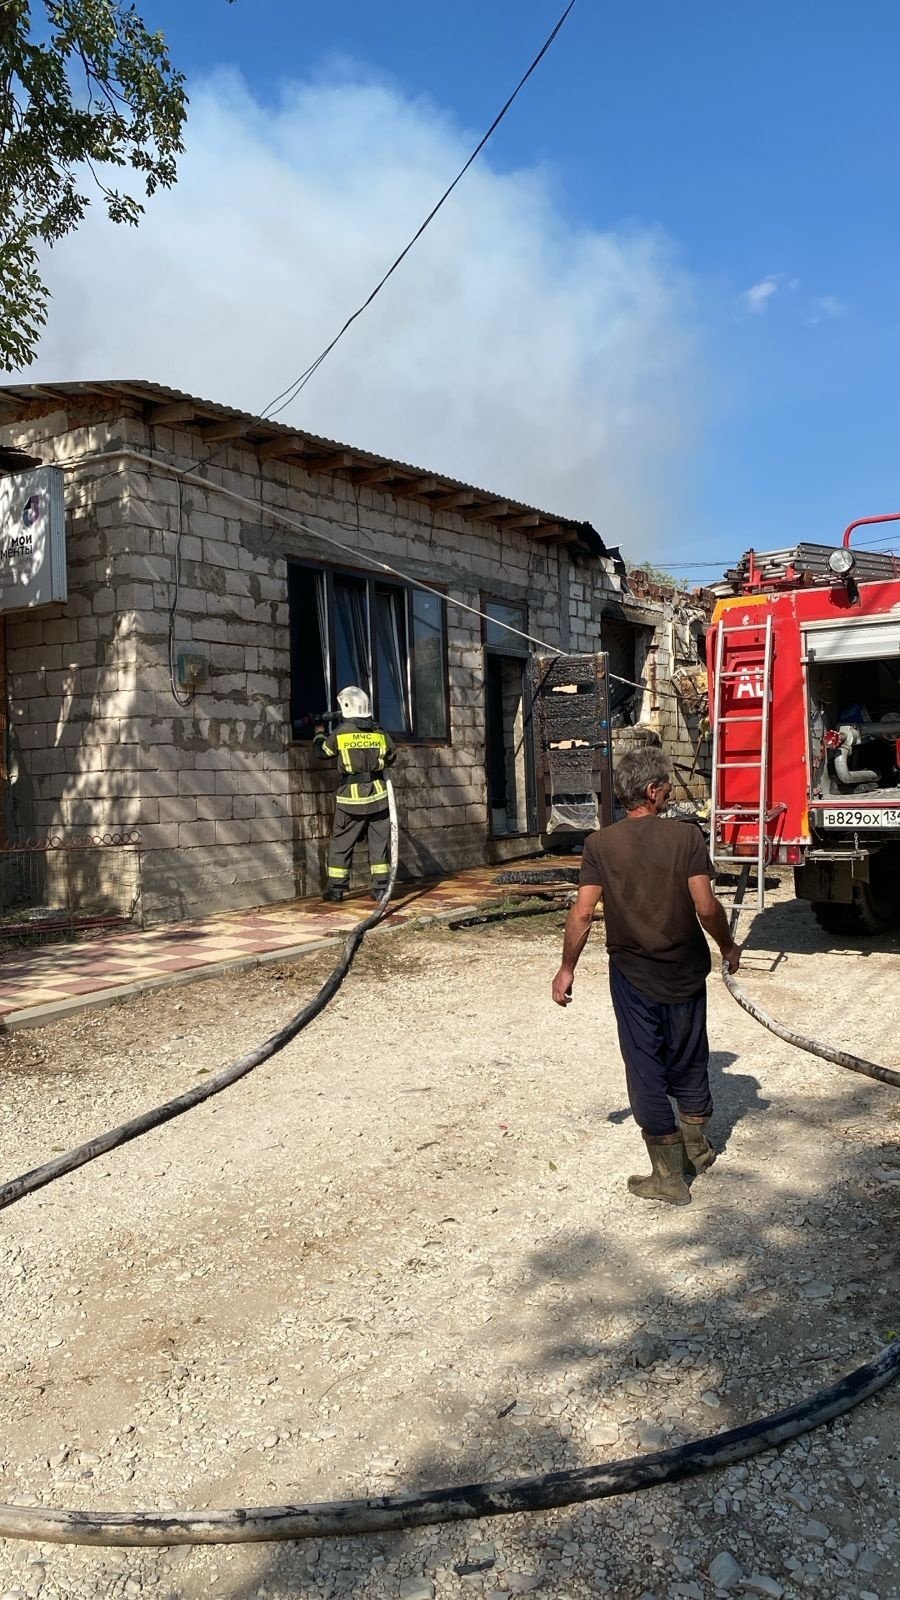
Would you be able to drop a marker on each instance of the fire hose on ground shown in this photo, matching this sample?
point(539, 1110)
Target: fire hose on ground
point(380, 1514)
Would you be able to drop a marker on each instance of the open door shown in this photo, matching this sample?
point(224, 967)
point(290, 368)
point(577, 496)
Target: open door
point(509, 756)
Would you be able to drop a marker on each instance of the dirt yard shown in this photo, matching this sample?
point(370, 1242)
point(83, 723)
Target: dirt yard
point(402, 1253)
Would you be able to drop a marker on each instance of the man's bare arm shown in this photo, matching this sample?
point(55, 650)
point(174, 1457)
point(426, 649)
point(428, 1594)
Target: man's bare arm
point(578, 926)
point(712, 916)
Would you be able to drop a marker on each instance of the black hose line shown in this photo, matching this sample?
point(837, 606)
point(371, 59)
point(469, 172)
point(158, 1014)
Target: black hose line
point(827, 1052)
point(392, 1513)
point(102, 1143)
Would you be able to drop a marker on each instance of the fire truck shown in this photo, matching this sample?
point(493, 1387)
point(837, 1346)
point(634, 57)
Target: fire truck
point(803, 657)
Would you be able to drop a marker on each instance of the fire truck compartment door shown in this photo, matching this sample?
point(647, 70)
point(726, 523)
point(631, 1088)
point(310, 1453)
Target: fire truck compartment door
point(865, 640)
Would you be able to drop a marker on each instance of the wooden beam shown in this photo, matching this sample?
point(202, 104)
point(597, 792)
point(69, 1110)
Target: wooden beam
point(284, 445)
point(234, 429)
point(178, 411)
point(22, 410)
point(550, 530)
point(452, 502)
point(333, 462)
point(50, 394)
point(530, 519)
point(385, 474)
point(421, 489)
point(497, 508)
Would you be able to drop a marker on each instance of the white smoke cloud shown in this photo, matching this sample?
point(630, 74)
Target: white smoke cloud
point(513, 349)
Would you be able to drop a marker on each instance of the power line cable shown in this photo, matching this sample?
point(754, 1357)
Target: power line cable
point(284, 399)
point(126, 453)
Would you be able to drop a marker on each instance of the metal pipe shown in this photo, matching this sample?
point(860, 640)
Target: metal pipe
point(864, 522)
point(859, 775)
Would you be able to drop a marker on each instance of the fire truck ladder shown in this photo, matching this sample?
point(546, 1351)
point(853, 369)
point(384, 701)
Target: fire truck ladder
point(758, 812)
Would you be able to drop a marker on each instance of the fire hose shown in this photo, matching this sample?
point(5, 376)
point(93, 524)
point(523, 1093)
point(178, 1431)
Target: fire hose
point(380, 1514)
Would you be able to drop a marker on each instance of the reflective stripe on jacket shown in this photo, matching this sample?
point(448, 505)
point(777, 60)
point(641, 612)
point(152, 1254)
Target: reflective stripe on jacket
point(362, 751)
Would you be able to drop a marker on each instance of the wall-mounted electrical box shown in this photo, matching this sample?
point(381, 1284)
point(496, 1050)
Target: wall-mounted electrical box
point(193, 669)
point(32, 539)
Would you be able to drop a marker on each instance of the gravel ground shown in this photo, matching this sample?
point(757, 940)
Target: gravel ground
point(403, 1254)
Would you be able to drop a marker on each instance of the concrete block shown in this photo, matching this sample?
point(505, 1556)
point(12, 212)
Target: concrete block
point(268, 805)
point(43, 763)
point(219, 553)
point(194, 783)
point(270, 829)
point(178, 808)
point(191, 602)
point(196, 833)
point(159, 783)
point(232, 832)
point(217, 758)
point(264, 686)
point(227, 683)
point(161, 836)
point(61, 631)
point(214, 807)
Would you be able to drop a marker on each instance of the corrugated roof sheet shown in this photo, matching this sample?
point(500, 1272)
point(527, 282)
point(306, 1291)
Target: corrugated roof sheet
point(276, 440)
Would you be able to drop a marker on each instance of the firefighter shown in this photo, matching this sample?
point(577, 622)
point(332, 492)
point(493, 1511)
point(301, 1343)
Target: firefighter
point(362, 751)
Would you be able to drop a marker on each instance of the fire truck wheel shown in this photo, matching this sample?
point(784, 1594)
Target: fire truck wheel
point(875, 906)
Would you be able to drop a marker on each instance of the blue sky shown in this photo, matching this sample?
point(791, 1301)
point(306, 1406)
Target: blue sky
point(756, 144)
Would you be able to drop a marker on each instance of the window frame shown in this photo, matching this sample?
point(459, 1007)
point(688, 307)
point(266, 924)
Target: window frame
point(513, 645)
point(382, 581)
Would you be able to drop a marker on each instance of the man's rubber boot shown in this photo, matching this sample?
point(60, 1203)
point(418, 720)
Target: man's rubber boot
point(666, 1181)
point(333, 894)
point(379, 891)
point(698, 1152)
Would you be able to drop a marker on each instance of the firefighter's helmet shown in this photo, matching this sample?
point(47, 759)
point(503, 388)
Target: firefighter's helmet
point(354, 702)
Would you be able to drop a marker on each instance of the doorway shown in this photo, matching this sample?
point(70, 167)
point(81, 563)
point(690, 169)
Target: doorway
point(508, 746)
point(509, 756)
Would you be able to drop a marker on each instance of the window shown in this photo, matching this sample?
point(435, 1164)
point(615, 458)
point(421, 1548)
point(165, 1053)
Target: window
point(389, 638)
point(497, 636)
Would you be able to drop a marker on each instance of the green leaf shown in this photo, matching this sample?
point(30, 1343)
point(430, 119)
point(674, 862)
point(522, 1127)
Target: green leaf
point(85, 88)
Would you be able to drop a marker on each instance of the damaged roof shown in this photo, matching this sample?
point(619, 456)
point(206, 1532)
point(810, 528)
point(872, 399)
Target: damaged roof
point(215, 425)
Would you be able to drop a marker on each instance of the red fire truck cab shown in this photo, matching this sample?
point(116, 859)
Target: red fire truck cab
point(804, 670)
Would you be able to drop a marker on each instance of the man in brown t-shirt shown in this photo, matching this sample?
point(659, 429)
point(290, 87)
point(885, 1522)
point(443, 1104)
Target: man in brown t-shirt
point(654, 876)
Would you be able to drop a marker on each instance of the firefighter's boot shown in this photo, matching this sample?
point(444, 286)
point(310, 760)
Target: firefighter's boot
point(699, 1154)
point(332, 893)
point(379, 891)
point(666, 1181)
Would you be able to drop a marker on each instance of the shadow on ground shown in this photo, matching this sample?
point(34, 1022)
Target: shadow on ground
point(708, 1318)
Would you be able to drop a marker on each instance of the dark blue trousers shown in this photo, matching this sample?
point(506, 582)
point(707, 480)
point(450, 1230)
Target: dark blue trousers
point(666, 1052)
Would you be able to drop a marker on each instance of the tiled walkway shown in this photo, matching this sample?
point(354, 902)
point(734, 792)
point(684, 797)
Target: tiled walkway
point(45, 981)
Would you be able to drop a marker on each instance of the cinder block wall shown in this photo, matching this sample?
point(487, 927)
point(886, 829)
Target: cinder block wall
point(231, 811)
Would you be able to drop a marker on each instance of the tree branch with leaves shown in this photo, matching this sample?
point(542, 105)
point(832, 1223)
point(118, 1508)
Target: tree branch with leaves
point(85, 88)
